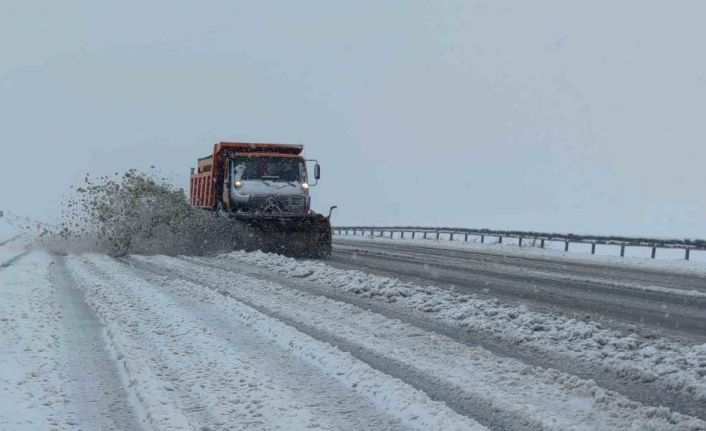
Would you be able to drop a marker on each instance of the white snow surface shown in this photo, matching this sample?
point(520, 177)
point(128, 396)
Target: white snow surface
point(32, 377)
point(188, 375)
point(678, 367)
point(7, 230)
point(11, 244)
point(546, 398)
point(205, 348)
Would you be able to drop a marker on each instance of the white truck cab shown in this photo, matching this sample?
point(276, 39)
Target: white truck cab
point(263, 183)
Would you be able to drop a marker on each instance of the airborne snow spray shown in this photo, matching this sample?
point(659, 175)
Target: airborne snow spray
point(135, 213)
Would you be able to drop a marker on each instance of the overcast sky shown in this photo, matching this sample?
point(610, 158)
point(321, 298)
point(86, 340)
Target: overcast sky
point(547, 115)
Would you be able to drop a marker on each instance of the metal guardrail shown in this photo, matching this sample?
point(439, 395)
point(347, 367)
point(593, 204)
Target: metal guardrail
point(653, 243)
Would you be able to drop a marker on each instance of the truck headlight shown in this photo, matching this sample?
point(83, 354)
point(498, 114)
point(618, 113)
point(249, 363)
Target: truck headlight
point(305, 186)
point(238, 184)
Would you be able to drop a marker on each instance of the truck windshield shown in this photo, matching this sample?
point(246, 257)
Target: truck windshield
point(268, 168)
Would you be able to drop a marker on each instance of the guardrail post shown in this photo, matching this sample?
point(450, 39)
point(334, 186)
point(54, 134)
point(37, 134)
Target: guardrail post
point(424, 235)
point(686, 254)
point(520, 244)
point(654, 252)
point(622, 250)
point(412, 234)
point(593, 248)
point(482, 239)
point(541, 243)
point(566, 245)
point(451, 236)
point(465, 238)
point(437, 235)
point(500, 240)
point(401, 234)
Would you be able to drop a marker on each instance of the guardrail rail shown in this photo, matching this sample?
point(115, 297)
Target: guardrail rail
point(688, 245)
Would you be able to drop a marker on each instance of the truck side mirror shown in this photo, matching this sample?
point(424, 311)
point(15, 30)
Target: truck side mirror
point(317, 172)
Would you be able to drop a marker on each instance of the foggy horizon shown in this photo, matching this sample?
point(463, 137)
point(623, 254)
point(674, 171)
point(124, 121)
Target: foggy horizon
point(560, 117)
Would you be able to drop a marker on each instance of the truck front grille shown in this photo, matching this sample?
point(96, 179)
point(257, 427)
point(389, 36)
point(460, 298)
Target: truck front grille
point(273, 204)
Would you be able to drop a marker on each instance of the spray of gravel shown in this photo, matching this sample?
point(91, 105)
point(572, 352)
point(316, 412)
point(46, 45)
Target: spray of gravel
point(136, 213)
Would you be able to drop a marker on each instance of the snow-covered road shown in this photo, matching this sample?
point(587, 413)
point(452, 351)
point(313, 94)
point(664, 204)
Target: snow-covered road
point(644, 298)
point(260, 341)
point(255, 341)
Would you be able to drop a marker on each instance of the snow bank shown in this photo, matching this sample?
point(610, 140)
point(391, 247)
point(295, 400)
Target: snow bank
point(677, 367)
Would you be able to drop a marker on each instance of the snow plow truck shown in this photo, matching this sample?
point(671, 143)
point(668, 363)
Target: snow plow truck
point(264, 190)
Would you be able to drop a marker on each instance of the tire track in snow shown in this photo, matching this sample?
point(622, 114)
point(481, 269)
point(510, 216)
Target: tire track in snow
point(436, 390)
point(94, 381)
point(681, 316)
point(189, 382)
point(510, 258)
point(9, 262)
point(646, 393)
point(468, 380)
point(662, 289)
point(675, 367)
point(342, 407)
point(140, 305)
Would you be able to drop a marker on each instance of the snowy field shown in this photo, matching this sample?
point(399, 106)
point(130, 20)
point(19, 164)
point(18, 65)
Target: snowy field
point(260, 341)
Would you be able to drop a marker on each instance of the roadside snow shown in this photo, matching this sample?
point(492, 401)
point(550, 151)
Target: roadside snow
point(676, 262)
point(679, 368)
point(32, 391)
point(7, 230)
point(532, 396)
point(11, 243)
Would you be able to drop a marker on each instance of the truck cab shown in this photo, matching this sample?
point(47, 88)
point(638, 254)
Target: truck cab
point(275, 184)
point(254, 179)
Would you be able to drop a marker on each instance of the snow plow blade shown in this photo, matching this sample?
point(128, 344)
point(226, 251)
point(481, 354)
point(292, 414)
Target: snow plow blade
point(305, 236)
